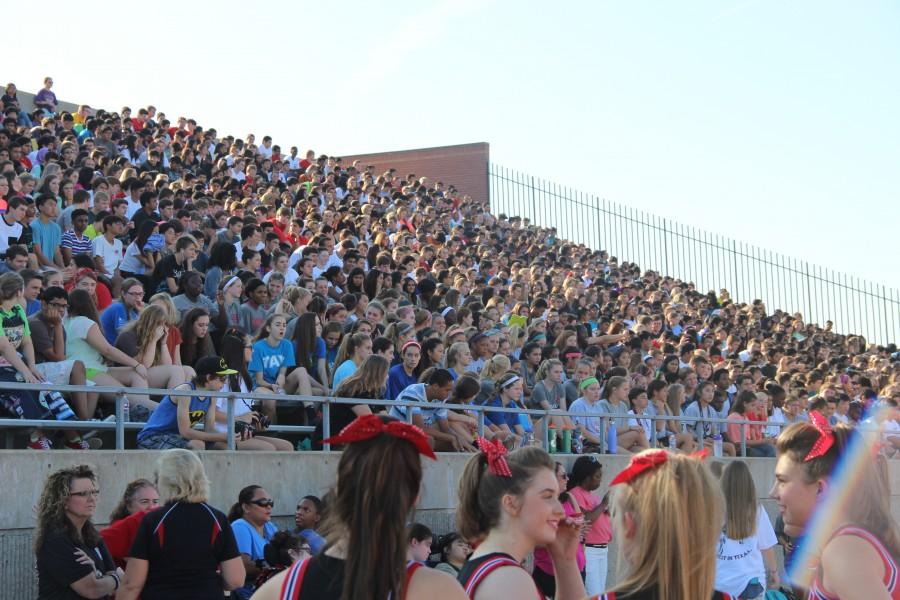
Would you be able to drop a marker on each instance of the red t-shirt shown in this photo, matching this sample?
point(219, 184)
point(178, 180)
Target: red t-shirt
point(104, 298)
point(173, 340)
point(119, 536)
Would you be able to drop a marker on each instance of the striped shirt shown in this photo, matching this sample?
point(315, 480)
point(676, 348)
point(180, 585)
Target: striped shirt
point(78, 245)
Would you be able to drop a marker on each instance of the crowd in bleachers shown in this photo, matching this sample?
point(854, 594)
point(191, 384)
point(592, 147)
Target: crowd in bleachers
point(150, 253)
point(137, 245)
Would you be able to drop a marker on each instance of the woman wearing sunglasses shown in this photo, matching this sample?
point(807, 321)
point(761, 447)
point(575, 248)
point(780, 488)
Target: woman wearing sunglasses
point(251, 521)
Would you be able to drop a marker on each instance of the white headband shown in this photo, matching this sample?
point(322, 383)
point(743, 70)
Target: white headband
point(509, 382)
point(231, 282)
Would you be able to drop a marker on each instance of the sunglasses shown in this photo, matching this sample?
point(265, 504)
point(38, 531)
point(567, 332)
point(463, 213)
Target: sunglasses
point(264, 502)
point(86, 493)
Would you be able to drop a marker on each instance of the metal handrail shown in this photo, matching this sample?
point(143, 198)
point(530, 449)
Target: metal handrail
point(119, 425)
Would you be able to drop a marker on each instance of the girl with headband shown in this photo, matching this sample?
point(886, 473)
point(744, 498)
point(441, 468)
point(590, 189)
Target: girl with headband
point(509, 390)
point(508, 506)
point(859, 557)
point(365, 549)
point(663, 506)
point(403, 375)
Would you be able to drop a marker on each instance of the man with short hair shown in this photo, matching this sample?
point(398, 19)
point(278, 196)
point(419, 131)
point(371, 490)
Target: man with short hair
point(16, 259)
point(107, 249)
point(434, 421)
point(135, 188)
point(11, 223)
point(74, 240)
point(79, 200)
point(149, 202)
point(48, 339)
point(232, 233)
point(34, 283)
point(47, 233)
point(192, 296)
point(169, 270)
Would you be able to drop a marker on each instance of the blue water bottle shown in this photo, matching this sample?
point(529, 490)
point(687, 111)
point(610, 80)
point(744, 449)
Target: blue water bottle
point(611, 438)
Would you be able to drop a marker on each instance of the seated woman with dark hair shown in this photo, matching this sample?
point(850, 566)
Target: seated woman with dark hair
point(236, 349)
point(747, 407)
point(195, 339)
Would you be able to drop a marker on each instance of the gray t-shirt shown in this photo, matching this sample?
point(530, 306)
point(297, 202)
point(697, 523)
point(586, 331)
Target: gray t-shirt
point(42, 337)
point(622, 409)
point(540, 393)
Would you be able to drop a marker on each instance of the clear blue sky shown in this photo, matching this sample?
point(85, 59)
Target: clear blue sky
point(773, 122)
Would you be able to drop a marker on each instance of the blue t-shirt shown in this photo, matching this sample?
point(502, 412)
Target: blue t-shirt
point(249, 541)
point(345, 370)
point(48, 235)
point(330, 356)
point(112, 319)
point(316, 542)
point(269, 360)
point(310, 362)
point(501, 418)
point(398, 381)
point(165, 418)
point(33, 307)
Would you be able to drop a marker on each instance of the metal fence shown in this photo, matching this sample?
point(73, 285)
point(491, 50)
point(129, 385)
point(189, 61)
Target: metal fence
point(710, 260)
point(120, 425)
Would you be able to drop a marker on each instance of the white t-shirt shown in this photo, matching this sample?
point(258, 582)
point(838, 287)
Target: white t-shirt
point(644, 423)
point(9, 234)
point(111, 253)
point(131, 264)
point(241, 406)
point(132, 208)
point(739, 561)
point(291, 277)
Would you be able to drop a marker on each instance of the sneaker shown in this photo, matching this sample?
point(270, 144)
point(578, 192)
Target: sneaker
point(94, 432)
point(41, 443)
point(82, 444)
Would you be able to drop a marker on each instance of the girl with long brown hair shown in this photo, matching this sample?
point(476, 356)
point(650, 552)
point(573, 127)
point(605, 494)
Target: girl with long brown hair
point(745, 556)
point(364, 557)
point(509, 505)
point(368, 382)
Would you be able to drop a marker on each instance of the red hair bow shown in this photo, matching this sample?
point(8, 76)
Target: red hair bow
point(495, 452)
point(826, 437)
point(368, 426)
point(640, 463)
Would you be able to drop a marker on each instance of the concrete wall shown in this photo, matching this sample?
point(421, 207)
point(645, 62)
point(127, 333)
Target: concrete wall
point(26, 103)
point(464, 166)
point(287, 477)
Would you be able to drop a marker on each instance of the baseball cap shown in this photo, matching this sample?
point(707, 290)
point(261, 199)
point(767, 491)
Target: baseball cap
point(212, 365)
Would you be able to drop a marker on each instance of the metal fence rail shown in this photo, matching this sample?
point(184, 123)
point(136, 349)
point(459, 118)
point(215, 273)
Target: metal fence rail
point(710, 260)
point(120, 425)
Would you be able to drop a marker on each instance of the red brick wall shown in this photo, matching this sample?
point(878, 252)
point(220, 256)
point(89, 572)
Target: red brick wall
point(464, 166)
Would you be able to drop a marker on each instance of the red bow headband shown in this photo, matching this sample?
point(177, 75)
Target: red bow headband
point(369, 426)
point(495, 452)
point(826, 437)
point(647, 461)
